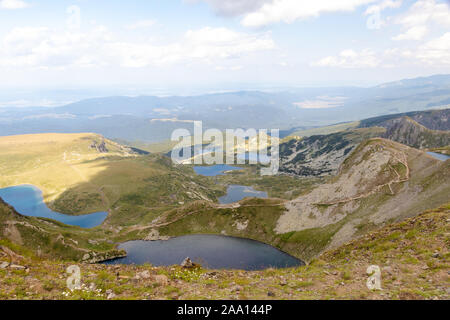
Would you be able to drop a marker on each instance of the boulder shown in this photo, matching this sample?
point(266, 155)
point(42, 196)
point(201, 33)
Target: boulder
point(162, 279)
point(143, 275)
point(187, 263)
point(110, 294)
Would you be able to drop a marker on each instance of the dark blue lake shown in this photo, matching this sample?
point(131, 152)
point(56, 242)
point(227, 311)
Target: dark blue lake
point(28, 201)
point(236, 193)
point(439, 156)
point(211, 251)
point(215, 170)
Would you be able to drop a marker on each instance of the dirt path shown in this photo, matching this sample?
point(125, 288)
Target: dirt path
point(377, 188)
point(214, 206)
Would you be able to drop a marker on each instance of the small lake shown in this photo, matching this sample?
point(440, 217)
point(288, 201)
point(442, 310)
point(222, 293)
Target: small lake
point(211, 251)
point(215, 170)
point(28, 201)
point(439, 156)
point(236, 193)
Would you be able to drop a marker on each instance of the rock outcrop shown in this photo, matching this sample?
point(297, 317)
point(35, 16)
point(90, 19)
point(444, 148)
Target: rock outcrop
point(154, 235)
point(187, 263)
point(101, 147)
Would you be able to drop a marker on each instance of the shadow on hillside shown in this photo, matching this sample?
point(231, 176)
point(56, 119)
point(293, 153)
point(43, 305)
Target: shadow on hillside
point(135, 190)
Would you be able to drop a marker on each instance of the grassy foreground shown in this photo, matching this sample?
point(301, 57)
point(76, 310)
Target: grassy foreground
point(413, 256)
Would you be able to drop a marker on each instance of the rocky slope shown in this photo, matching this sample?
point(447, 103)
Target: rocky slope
point(407, 131)
point(380, 182)
point(321, 155)
point(433, 119)
point(412, 256)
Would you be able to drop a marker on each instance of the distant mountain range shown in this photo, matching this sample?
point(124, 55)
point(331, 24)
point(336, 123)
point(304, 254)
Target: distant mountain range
point(152, 119)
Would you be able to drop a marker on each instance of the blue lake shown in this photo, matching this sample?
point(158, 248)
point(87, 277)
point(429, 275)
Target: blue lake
point(211, 251)
point(28, 201)
point(236, 193)
point(439, 156)
point(215, 170)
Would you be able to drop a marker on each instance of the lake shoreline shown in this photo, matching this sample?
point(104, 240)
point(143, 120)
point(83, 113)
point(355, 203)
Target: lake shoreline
point(28, 200)
point(215, 251)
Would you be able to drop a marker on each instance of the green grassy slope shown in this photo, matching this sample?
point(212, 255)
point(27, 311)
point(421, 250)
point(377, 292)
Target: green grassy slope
point(77, 179)
point(413, 256)
point(50, 239)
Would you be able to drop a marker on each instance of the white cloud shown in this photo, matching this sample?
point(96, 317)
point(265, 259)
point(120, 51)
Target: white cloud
point(290, 10)
point(420, 17)
point(436, 51)
point(231, 68)
point(377, 8)
point(425, 11)
point(233, 7)
point(141, 24)
point(322, 102)
point(432, 53)
point(350, 59)
point(13, 4)
point(414, 33)
point(205, 45)
point(45, 48)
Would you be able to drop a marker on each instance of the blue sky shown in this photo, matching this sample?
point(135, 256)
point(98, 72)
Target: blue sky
point(182, 46)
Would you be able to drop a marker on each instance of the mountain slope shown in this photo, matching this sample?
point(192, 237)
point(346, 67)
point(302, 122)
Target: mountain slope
point(433, 119)
point(381, 181)
point(407, 131)
point(321, 155)
point(50, 239)
point(76, 178)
